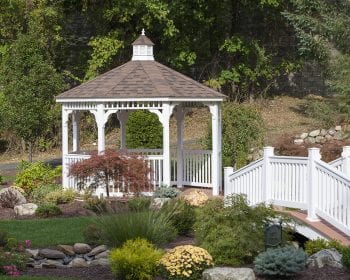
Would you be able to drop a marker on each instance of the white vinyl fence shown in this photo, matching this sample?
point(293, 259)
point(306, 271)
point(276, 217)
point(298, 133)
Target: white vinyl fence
point(323, 189)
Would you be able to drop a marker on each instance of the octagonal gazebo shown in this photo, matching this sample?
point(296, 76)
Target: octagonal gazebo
point(143, 83)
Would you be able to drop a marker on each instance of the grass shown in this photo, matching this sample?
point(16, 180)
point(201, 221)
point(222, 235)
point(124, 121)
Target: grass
point(47, 232)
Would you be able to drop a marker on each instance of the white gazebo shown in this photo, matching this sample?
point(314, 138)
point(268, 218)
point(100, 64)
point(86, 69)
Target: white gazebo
point(145, 84)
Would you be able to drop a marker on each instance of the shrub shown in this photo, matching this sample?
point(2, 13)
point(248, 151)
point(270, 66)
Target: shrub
point(283, 261)
point(17, 259)
point(139, 204)
point(114, 168)
point(242, 129)
point(346, 257)
point(154, 226)
point(60, 196)
point(185, 262)
point(166, 192)
point(182, 215)
point(3, 237)
point(10, 197)
point(1, 179)
point(314, 246)
point(33, 175)
point(92, 234)
point(38, 194)
point(231, 230)
point(48, 210)
point(324, 111)
point(136, 260)
point(144, 130)
point(96, 204)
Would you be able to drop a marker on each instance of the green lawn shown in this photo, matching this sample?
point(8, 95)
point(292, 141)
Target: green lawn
point(46, 232)
point(2, 277)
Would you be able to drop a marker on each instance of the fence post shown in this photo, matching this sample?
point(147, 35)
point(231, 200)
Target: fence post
point(314, 154)
point(346, 160)
point(227, 172)
point(268, 152)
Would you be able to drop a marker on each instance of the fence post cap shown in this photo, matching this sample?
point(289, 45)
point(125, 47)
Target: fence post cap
point(268, 150)
point(346, 151)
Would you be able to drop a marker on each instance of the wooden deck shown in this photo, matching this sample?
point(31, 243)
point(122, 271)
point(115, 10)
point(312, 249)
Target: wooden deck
point(322, 227)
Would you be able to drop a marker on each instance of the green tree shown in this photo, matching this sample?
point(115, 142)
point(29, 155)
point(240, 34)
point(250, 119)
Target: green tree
point(29, 83)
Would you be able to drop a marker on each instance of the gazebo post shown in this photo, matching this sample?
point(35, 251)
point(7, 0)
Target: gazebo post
point(165, 120)
point(76, 131)
point(179, 115)
point(101, 122)
point(65, 149)
point(123, 118)
point(216, 146)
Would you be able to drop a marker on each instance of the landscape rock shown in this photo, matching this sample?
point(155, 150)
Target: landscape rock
point(102, 255)
point(52, 264)
point(51, 254)
point(228, 273)
point(25, 209)
point(97, 250)
point(323, 132)
point(310, 140)
point(320, 139)
point(78, 262)
point(298, 141)
point(314, 133)
point(337, 128)
point(33, 253)
point(338, 135)
point(330, 257)
point(304, 135)
point(331, 131)
point(67, 249)
point(10, 197)
point(81, 248)
point(328, 137)
point(195, 197)
point(102, 262)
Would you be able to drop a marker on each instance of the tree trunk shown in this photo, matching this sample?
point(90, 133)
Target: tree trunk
point(30, 152)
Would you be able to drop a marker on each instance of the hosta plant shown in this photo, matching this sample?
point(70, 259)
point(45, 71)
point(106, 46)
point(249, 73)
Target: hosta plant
point(185, 262)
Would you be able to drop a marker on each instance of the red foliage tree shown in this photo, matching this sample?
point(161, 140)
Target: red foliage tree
point(129, 172)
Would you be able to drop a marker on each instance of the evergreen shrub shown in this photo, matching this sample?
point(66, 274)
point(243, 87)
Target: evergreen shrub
point(232, 231)
point(144, 130)
point(166, 192)
point(242, 129)
point(283, 262)
point(346, 257)
point(60, 196)
point(135, 260)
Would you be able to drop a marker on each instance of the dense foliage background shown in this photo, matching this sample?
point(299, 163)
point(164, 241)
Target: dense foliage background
point(243, 48)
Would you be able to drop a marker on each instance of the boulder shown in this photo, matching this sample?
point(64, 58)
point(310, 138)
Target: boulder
point(331, 131)
point(97, 250)
point(315, 133)
point(102, 255)
point(323, 132)
point(25, 209)
point(339, 135)
point(81, 248)
point(310, 140)
point(328, 137)
point(78, 262)
point(195, 197)
point(102, 262)
point(32, 253)
point(320, 139)
point(337, 128)
point(330, 257)
point(228, 273)
point(67, 249)
point(51, 254)
point(10, 197)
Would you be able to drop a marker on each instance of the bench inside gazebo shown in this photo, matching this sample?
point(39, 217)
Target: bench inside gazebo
point(144, 84)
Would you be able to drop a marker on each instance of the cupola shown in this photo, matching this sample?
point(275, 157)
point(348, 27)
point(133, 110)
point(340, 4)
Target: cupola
point(142, 48)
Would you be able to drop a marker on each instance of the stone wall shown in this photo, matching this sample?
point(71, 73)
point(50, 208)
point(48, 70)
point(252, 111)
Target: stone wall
point(321, 136)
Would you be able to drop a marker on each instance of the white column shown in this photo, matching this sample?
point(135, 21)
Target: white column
point(65, 151)
point(268, 152)
point(227, 172)
point(101, 122)
point(180, 114)
point(216, 147)
point(314, 155)
point(123, 118)
point(76, 130)
point(346, 160)
point(166, 113)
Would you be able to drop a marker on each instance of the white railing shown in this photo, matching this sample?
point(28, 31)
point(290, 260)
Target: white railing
point(245, 181)
point(299, 182)
point(196, 166)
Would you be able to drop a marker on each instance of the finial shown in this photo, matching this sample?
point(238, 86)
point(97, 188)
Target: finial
point(143, 31)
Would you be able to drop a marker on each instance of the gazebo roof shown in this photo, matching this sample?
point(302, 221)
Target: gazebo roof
point(141, 79)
